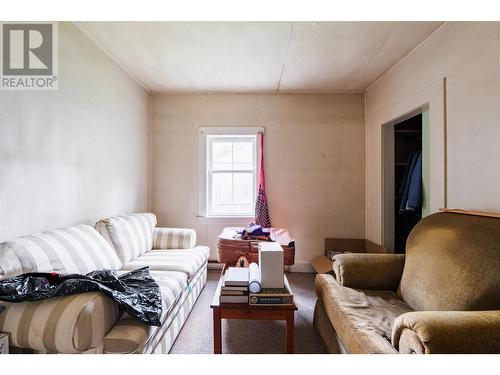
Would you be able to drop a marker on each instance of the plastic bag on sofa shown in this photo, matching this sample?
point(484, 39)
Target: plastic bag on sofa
point(135, 292)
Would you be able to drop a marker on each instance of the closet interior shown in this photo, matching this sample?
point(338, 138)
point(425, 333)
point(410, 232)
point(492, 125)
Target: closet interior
point(407, 179)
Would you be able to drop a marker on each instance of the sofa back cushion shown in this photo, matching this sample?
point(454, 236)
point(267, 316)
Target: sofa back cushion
point(77, 249)
point(452, 263)
point(130, 235)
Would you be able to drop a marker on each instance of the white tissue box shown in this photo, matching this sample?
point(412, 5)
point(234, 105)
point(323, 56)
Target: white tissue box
point(271, 263)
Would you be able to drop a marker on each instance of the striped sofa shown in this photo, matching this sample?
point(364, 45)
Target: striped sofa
point(90, 322)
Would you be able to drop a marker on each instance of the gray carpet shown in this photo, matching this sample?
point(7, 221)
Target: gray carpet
point(250, 336)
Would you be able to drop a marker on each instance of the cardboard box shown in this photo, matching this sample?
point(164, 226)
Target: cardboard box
point(352, 245)
point(324, 264)
point(271, 263)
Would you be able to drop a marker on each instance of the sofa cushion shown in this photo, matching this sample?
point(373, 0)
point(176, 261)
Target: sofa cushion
point(175, 271)
point(363, 319)
point(172, 284)
point(174, 238)
point(70, 324)
point(452, 263)
point(128, 336)
point(132, 336)
point(188, 261)
point(130, 235)
point(77, 249)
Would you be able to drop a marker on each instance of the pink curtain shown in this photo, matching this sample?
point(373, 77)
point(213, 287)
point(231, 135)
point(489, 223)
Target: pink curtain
point(261, 210)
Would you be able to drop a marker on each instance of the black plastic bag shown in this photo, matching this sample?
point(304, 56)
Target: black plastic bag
point(135, 292)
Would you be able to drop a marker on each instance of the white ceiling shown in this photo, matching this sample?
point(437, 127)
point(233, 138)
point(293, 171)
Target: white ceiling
point(257, 56)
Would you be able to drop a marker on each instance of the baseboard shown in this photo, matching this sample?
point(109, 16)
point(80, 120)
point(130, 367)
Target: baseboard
point(215, 265)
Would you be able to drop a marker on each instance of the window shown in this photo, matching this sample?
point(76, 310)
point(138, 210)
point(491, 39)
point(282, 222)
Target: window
point(228, 166)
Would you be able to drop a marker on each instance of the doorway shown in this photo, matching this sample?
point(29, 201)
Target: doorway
point(405, 177)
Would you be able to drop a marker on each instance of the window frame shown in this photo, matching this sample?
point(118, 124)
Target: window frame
point(204, 177)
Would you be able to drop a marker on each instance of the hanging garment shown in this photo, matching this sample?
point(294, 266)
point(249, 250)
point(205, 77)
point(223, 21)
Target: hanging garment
point(405, 186)
point(261, 210)
point(409, 166)
point(415, 190)
point(135, 292)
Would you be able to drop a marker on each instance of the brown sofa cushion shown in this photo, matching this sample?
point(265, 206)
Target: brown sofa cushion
point(363, 319)
point(452, 263)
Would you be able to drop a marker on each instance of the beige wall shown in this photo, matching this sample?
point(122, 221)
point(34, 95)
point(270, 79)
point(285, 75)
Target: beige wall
point(468, 55)
point(314, 162)
point(81, 152)
point(76, 154)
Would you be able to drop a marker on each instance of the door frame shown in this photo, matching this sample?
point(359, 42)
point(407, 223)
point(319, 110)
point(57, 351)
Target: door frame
point(388, 188)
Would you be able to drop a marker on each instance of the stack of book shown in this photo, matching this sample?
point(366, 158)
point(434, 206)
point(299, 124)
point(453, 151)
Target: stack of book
point(273, 296)
point(235, 286)
point(234, 289)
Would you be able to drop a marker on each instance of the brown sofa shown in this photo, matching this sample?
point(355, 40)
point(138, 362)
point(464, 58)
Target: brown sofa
point(443, 296)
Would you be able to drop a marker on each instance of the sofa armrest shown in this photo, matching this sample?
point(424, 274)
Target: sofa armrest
point(369, 271)
point(70, 324)
point(174, 238)
point(427, 332)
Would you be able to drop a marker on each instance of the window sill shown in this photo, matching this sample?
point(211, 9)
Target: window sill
point(224, 217)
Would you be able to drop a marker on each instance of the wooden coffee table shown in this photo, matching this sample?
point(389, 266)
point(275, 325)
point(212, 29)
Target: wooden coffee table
point(250, 312)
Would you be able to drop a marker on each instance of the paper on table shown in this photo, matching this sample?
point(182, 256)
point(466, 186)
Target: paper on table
point(254, 285)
